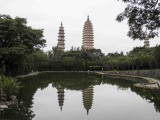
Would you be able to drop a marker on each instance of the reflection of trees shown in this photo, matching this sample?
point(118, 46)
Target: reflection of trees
point(18, 112)
point(124, 83)
point(153, 96)
point(31, 84)
point(72, 81)
point(88, 98)
point(82, 82)
point(75, 81)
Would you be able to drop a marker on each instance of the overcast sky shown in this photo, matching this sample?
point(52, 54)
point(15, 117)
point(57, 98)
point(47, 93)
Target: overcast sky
point(110, 36)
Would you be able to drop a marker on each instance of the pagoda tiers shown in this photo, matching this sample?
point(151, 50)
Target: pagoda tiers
point(61, 36)
point(88, 39)
point(60, 91)
point(88, 98)
point(146, 42)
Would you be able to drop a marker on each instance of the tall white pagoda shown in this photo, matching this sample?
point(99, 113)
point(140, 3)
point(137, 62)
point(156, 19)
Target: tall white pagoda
point(88, 98)
point(88, 39)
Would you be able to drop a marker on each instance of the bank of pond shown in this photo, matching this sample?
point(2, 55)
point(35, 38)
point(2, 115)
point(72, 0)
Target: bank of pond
point(83, 96)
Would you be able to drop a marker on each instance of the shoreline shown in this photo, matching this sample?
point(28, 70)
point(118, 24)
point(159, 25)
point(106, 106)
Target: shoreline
point(152, 83)
point(38, 72)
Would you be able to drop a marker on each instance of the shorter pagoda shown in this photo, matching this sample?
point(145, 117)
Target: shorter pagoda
point(146, 42)
point(60, 91)
point(61, 44)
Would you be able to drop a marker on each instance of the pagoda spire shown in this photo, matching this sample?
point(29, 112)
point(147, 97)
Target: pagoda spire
point(61, 24)
point(88, 18)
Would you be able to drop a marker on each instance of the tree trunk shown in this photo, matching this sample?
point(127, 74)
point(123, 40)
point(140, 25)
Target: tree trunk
point(2, 61)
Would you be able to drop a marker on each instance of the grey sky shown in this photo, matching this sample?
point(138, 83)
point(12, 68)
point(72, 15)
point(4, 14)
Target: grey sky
point(110, 36)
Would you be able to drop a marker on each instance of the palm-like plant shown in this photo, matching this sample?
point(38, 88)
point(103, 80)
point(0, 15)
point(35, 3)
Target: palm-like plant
point(10, 86)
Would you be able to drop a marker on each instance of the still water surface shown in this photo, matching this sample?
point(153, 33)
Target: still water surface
point(79, 96)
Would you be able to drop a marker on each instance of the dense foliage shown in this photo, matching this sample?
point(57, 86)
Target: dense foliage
point(18, 112)
point(17, 40)
point(143, 18)
point(137, 59)
point(82, 60)
point(9, 85)
point(56, 60)
point(20, 52)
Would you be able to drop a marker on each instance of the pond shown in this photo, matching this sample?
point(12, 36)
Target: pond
point(82, 96)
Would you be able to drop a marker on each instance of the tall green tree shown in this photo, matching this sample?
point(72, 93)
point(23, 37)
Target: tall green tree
point(17, 40)
point(157, 54)
point(143, 18)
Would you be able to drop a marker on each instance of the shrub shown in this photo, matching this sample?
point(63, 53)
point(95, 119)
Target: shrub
point(10, 86)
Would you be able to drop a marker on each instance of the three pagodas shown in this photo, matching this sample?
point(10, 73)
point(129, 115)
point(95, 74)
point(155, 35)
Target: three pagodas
point(87, 39)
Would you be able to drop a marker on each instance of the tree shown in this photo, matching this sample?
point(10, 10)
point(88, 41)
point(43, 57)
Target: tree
point(36, 61)
point(56, 52)
point(143, 18)
point(16, 40)
point(156, 54)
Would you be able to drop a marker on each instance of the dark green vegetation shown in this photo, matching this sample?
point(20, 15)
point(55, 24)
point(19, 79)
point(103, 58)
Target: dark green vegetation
point(72, 81)
point(139, 58)
point(20, 53)
point(9, 86)
point(18, 112)
point(17, 40)
point(143, 18)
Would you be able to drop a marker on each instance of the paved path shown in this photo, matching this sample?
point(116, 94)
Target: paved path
point(158, 82)
point(29, 74)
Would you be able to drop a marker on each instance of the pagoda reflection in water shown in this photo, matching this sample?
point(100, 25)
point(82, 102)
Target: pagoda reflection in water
point(88, 98)
point(60, 91)
point(78, 84)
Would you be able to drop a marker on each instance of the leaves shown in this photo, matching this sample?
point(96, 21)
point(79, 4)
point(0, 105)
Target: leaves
point(143, 18)
point(9, 85)
point(157, 54)
point(17, 40)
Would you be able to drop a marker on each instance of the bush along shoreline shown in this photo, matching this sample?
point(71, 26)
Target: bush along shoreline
point(9, 88)
point(152, 77)
point(151, 82)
